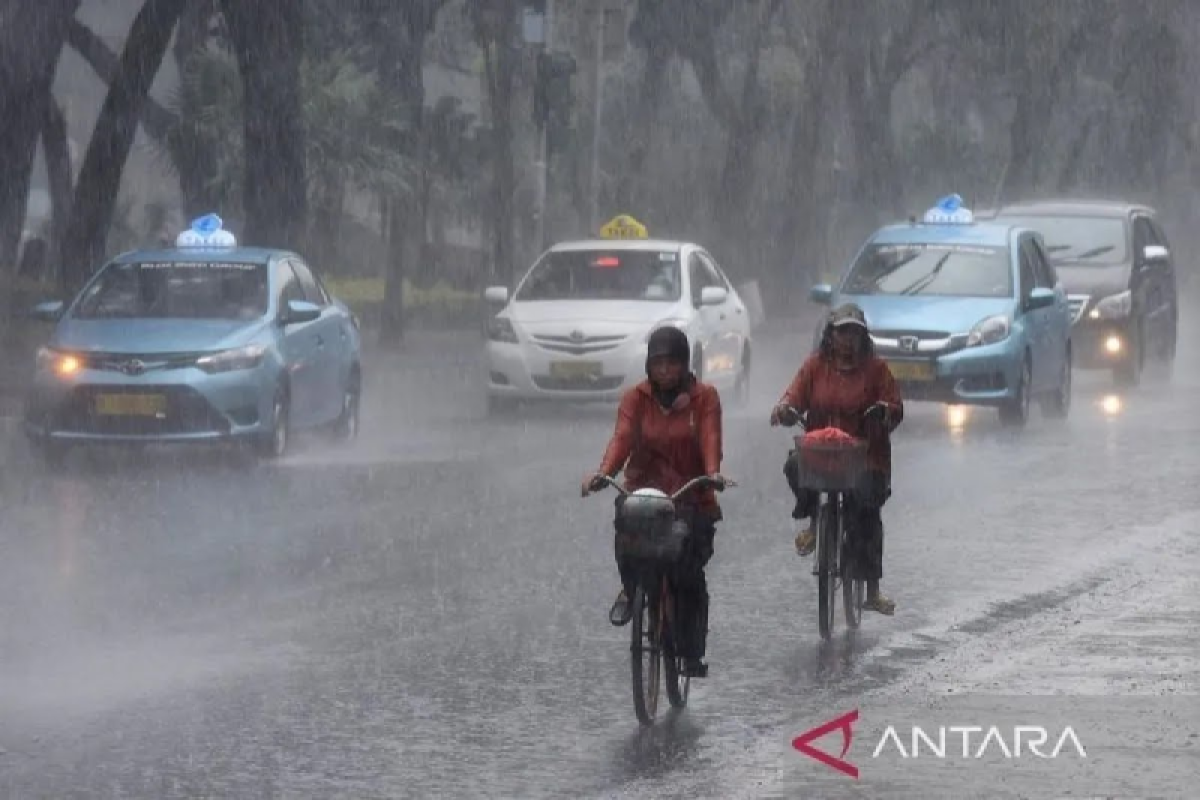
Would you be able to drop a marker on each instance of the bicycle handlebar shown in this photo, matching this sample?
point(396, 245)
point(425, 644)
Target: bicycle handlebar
point(800, 421)
point(705, 480)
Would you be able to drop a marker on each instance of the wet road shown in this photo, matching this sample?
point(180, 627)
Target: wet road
point(424, 614)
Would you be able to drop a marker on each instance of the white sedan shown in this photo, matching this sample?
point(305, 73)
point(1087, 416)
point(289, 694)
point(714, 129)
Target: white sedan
point(577, 324)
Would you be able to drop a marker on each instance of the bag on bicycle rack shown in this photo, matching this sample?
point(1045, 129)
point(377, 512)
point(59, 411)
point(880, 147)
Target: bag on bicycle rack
point(647, 528)
point(830, 460)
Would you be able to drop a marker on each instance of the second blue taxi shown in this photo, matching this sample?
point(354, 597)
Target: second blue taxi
point(965, 312)
point(203, 342)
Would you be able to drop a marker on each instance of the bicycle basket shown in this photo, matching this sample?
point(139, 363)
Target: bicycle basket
point(830, 464)
point(647, 529)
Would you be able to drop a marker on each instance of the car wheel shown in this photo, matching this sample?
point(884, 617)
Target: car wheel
point(1015, 413)
point(1129, 374)
point(274, 444)
point(741, 387)
point(500, 406)
point(1057, 404)
point(346, 427)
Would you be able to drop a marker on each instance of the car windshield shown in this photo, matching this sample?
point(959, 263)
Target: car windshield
point(177, 290)
point(932, 270)
point(1082, 241)
point(650, 275)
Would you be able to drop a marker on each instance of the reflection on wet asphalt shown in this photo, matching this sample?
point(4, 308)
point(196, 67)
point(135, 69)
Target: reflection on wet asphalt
point(424, 614)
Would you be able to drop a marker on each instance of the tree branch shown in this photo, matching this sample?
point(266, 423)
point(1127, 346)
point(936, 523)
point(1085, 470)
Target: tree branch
point(156, 119)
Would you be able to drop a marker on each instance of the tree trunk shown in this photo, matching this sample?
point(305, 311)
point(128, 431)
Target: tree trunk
point(100, 175)
point(58, 171)
point(631, 185)
point(194, 156)
point(269, 41)
point(500, 70)
point(31, 39)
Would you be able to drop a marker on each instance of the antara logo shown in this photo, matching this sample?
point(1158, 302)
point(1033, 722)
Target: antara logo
point(976, 742)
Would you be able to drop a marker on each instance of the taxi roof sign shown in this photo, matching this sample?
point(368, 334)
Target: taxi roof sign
point(949, 211)
point(624, 226)
point(206, 231)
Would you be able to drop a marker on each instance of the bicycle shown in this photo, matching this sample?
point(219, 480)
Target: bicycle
point(654, 536)
point(832, 469)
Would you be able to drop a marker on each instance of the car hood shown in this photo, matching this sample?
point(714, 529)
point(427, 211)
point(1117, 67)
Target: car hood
point(630, 312)
point(1096, 280)
point(949, 314)
point(142, 336)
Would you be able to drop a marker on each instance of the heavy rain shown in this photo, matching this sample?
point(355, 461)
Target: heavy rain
point(315, 320)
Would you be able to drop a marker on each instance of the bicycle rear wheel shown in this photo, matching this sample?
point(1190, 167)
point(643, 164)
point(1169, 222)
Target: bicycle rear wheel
point(678, 684)
point(645, 650)
point(827, 538)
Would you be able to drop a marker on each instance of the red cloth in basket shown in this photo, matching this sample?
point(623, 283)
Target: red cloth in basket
point(832, 456)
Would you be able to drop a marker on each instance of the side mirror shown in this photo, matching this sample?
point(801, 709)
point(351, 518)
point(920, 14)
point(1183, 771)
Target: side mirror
point(1155, 254)
point(300, 311)
point(713, 295)
point(496, 295)
point(821, 294)
point(1040, 298)
point(50, 311)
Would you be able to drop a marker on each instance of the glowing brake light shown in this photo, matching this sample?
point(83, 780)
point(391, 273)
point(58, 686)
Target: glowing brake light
point(607, 262)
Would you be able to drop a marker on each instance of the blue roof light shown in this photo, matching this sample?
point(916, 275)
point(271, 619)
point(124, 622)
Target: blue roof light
point(206, 231)
point(949, 211)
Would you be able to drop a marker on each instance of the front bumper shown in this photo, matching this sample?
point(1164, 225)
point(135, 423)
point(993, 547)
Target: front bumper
point(980, 376)
point(528, 372)
point(195, 406)
point(1103, 344)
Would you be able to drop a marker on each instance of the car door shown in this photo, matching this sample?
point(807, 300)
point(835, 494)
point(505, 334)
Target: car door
point(1058, 318)
point(1155, 280)
point(729, 337)
point(1034, 321)
point(702, 328)
point(328, 379)
point(1170, 288)
point(299, 345)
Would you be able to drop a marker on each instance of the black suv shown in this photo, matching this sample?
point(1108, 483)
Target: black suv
point(1115, 263)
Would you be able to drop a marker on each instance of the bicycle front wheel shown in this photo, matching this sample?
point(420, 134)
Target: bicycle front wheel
point(827, 539)
point(678, 684)
point(645, 650)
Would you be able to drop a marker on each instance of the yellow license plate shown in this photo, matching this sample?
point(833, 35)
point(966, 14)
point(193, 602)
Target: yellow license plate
point(131, 405)
point(911, 370)
point(572, 370)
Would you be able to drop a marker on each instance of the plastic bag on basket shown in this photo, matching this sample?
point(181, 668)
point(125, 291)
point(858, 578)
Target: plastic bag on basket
point(830, 458)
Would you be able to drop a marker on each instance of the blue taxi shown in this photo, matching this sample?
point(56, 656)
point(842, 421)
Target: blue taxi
point(965, 312)
point(203, 342)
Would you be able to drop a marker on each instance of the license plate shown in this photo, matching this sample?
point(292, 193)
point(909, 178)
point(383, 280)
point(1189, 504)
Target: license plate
point(131, 405)
point(911, 370)
point(573, 370)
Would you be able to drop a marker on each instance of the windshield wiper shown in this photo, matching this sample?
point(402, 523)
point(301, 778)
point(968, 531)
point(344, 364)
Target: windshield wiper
point(1095, 251)
point(928, 278)
point(1055, 248)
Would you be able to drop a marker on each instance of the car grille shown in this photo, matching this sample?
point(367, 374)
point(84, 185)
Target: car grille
point(902, 342)
point(582, 384)
point(578, 346)
point(137, 363)
point(1078, 304)
point(187, 412)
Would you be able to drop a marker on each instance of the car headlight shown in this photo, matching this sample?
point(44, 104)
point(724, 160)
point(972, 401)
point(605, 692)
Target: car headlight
point(1117, 306)
point(239, 358)
point(989, 331)
point(500, 329)
point(63, 364)
point(674, 322)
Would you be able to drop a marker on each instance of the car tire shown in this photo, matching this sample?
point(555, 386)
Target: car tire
point(1015, 413)
point(347, 424)
point(274, 444)
point(741, 386)
point(1129, 374)
point(1057, 404)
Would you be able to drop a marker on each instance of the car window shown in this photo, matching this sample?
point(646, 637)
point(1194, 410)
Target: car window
point(176, 290)
point(718, 277)
point(1079, 241)
point(1051, 274)
point(312, 290)
point(1042, 277)
point(931, 270)
point(287, 284)
point(649, 275)
point(1028, 273)
point(702, 276)
point(1143, 235)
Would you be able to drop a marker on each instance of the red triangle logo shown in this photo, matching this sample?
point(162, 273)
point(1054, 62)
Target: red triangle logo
point(844, 723)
